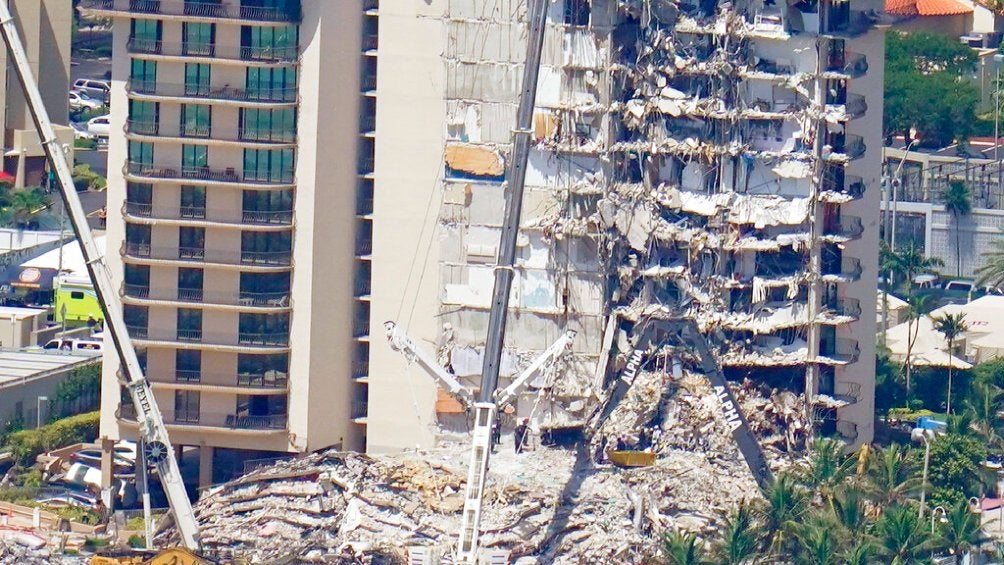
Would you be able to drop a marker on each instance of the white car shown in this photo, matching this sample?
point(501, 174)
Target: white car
point(100, 125)
point(80, 100)
point(99, 89)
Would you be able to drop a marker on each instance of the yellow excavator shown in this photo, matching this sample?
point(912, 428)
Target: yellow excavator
point(173, 556)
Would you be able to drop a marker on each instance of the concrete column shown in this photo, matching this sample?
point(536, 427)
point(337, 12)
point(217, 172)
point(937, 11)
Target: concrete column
point(205, 466)
point(107, 469)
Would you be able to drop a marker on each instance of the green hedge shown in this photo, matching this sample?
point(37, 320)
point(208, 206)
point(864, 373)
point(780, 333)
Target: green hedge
point(26, 445)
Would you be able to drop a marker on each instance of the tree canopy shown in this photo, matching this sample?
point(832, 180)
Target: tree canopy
point(925, 88)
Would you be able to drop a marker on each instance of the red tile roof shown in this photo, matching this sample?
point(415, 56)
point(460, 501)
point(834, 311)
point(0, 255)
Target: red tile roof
point(926, 7)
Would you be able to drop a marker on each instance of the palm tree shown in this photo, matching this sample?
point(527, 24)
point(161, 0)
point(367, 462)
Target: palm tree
point(786, 503)
point(961, 531)
point(683, 549)
point(903, 536)
point(849, 512)
point(992, 271)
point(908, 263)
point(739, 537)
point(828, 468)
point(862, 553)
point(951, 326)
point(958, 202)
point(917, 306)
point(816, 544)
point(891, 477)
point(983, 405)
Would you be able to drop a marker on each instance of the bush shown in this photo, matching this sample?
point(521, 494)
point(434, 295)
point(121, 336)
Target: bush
point(137, 541)
point(86, 179)
point(26, 445)
point(84, 144)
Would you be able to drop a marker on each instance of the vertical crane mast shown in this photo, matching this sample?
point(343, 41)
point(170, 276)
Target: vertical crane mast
point(485, 410)
point(151, 423)
point(515, 177)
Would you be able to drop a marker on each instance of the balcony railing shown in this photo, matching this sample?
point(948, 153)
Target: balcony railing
point(211, 419)
point(851, 64)
point(844, 350)
point(850, 269)
point(194, 9)
point(278, 95)
point(261, 339)
point(287, 54)
point(142, 127)
point(274, 136)
point(278, 299)
point(137, 332)
point(847, 226)
point(210, 174)
point(202, 255)
point(856, 106)
point(849, 145)
point(360, 409)
point(849, 307)
point(248, 217)
point(195, 130)
point(272, 380)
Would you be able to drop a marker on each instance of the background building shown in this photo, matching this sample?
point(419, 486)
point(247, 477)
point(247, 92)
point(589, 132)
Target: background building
point(44, 26)
point(233, 218)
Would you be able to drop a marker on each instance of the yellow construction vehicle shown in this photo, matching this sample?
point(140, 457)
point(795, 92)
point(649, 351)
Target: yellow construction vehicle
point(173, 556)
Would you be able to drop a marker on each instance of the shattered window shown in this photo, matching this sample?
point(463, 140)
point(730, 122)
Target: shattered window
point(577, 12)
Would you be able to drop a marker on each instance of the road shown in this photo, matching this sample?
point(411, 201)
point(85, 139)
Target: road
point(90, 68)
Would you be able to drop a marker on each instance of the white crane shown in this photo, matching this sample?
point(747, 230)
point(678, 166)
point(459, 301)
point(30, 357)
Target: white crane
point(151, 423)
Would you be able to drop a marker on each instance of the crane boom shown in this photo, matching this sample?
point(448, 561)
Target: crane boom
point(151, 423)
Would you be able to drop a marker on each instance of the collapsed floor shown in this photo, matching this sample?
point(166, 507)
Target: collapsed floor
point(548, 505)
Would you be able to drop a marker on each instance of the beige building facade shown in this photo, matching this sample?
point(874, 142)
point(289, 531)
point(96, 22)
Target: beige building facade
point(233, 221)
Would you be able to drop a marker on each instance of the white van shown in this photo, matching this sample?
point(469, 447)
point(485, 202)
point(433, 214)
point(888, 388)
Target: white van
point(86, 346)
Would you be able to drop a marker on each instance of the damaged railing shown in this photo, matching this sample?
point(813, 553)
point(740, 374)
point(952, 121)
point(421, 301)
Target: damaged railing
point(853, 65)
point(849, 268)
point(849, 307)
point(846, 226)
point(841, 350)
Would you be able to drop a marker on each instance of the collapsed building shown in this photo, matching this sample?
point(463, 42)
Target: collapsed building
point(717, 161)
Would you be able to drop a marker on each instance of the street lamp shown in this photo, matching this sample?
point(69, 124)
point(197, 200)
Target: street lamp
point(934, 513)
point(998, 59)
point(927, 460)
point(897, 181)
point(38, 410)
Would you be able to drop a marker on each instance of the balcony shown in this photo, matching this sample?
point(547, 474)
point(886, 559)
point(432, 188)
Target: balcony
point(202, 255)
point(845, 147)
point(840, 350)
point(189, 9)
point(277, 95)
point(240, 339)
point(846, 227)
point(127, 412)
point(849, 270)
point(272, 380)
point(844, 307)
point(285, 136)
point(264, 218)
point(228, 175)
point(852, 65)
point(289, 54)
point(280, 299)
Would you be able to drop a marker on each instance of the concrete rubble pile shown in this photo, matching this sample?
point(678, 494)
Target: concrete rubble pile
point(548, 505)
point(15, 551)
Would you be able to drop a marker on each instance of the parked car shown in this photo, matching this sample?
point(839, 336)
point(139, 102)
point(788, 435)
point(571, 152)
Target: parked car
point(92, 457)
point(69, 498)
point(88, 346)
point(100, 125)
point(80, 100)
point(98, 89)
